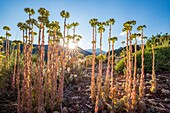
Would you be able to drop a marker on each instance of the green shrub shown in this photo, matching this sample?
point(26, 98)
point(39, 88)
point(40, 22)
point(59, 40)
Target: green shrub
point(120, 66)
point(34, 58)
point(6, 73)
point(147, 60)
point(5, 77)
point(162, 60)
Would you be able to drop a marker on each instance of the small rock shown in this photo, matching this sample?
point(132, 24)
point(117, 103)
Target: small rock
point(77, 107)
point(83, 111)
point(167, 105)
point(168, 81)
point(41, 109)
point(159, 75)
point(151, 101)
point(87, 86)
point(157, 79)
point(104, 111)
point(167, 100)
point(120, 83)
point(56, 112)
point(95, 75)
point(88, 106)
point(122, 80)
point(148, 95)
point(161, 105)
point(79, 88)
point(165, 86)
point(64, 110)
point(161, 109)
point(148, 87)
point(165, 91)
point(75, 98)
point(152, 108)
point(147, 83)
point(87, 90)
point(147, 74)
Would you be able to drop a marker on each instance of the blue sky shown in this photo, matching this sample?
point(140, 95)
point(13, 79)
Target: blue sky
point(155, 14)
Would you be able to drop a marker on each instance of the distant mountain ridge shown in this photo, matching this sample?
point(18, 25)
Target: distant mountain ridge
point(35, 51)
point(119, 50)
point(80, 50)
point(97, 51)
point(116, 51)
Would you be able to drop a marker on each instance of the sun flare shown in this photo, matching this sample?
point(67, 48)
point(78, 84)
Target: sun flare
point(72, 45)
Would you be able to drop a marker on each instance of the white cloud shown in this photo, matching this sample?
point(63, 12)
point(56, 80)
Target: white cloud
point(122, 33)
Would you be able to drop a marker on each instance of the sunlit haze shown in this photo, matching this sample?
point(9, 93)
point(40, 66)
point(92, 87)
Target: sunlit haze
point(72, 45)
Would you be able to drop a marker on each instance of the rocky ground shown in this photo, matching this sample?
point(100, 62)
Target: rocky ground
point(77, 95)
point(8, 102)
point(159, 101)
